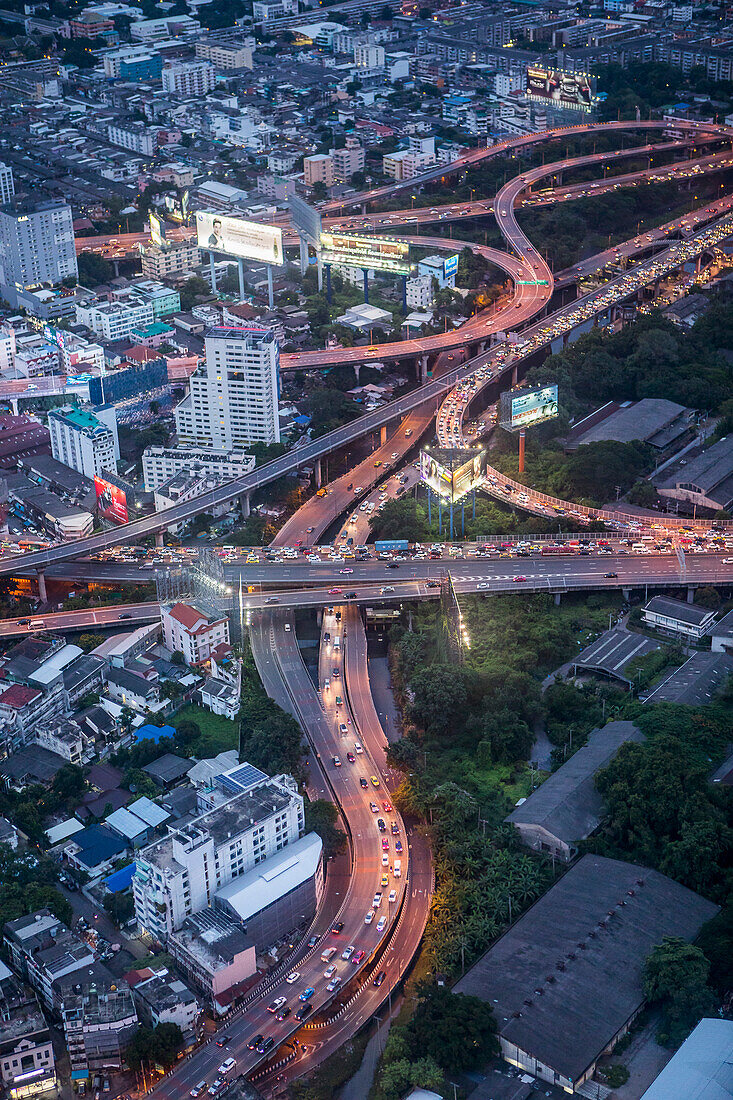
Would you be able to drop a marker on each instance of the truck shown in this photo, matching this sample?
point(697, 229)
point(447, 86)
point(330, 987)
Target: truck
point(390, 546)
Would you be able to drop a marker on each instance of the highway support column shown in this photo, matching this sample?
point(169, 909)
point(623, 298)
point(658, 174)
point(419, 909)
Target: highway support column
point(521, 450)
point(557, 599)
point(365, 272)
point(515, 375)
point(244, 501)
point(383, 435)
point(318, 473)
point(212, 269)
point(423, 368)
point(240, 266)
point(41, 579)
point(303, 256)
point(270, 292)
point(160, 538)
point(691, 589)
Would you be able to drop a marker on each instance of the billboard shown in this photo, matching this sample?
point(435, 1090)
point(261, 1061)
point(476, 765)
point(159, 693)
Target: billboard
point(377, 253)
point(240, 238)
point(306, 220)
point(559, 88)
point(111, 501)
point(523, 408)
point(450, 266)
point(452, 473)
point(157, 231)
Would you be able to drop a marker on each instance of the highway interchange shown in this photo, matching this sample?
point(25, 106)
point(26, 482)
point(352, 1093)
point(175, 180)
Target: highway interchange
point(340, 711)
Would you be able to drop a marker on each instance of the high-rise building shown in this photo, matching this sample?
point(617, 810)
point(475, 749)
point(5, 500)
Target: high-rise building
point(7, 184)
point(180, 874)
point(348, 160)
point(233, 397)
point(179, 258)
point(318, 169)
point(85, 439)
point(36, 244)
point(189, 78)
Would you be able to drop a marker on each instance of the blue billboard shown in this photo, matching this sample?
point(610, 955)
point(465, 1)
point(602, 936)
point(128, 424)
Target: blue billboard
point(450, 266)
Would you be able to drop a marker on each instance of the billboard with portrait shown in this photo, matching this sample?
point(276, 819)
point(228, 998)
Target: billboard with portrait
point(236, 237)
point(523, 408)
point(452, 473)
point(111, 501)
point(561, 89)
point(373, 253)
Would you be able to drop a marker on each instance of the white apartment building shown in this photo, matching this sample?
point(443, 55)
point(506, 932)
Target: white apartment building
point(227, 55)
point(7, 347)
point(79, 355)
point(162, 463)
point(35, 356)
point(419, 292)
point(189, 631)
point(406, 163)
point(7, 184)
point(348, 160)
point(115, 320)
point(180, 258)
point(85, 439)
point(170, 26)
point(318, 169)
point(233, 397)
point(186, 78)
point(135, 136)
point(114, 58)
point(179, 875)
point(367, 55)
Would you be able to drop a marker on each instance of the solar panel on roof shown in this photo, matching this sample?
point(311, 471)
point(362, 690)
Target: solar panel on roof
point(240, 779)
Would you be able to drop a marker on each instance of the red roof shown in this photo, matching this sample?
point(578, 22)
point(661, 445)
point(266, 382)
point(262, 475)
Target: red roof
point(220, 651)
point(18, 695)
point(138, 353)
point(186, 616)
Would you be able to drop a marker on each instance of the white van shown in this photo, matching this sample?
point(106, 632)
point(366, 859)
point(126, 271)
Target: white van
point(337, 642)
point(397, 868)
point(227, 1067)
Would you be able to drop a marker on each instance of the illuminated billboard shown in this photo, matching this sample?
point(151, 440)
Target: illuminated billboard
point(111, 501)
point(523, 408)
point(157, 231)
point(374, 253)
point(450, 266)
point(452, 473)
point(240, 238)
point(559, 88)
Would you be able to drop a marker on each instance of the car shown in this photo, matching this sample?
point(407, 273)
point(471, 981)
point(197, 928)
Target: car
point(611, 576)
point(381, 825)
point(381, 924)
point(265, 1045)
point(197, 1089)
point(337, 928)
point(313, 941)
point(223, 1040)
point(254, 1042)
point(213, 1090)
point(363, 782)
point(228, 1066)
point(283, 1013)
point(339, 701)
point(384, 881)
point(344, 571)
point(373, 806)
point(333, 984)
point(336, 762)
point(433, 584)
point(342, 727)
point(350, 757)
point(377, 901)
point(369, 917)
point(393, 565)
point(357, 958)
point(387, 807)
point(518, 579)
point(395, 829)
point(329, 971)
point(293, 977)
point(334, 591)
point(386, 589)
point(373, 780)
point(348, 952)
point(307, 994)
point(392, 897)
point(277, 1003)
point(287, 626)
point(379, 978)
point(303, 1011)
point(125, 615)
point(398, 846)
point(357, 748)
point(349, 595)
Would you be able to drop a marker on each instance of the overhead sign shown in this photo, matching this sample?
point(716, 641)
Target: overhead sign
point(111, 500)
point(375, 253)
point(157, 231)
point(523, 408)
point(236, 237)
point(452, 473)
point(571, 90)
point(306, 220)
point(450, 266)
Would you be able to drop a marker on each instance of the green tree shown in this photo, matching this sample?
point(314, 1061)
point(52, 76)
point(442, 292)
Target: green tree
point(400, 519)
point(94, 270)
point(676, 979)
point(321, 817)
point(88, 642)
point(438, 695)
point(457, 1031)
point(121, 906)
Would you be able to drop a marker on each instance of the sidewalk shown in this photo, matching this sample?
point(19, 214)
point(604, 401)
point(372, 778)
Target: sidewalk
point(358, 1087)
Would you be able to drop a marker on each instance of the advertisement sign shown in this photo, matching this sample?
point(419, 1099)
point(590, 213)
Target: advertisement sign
point(562, 89)
point(452, 473)
point(240, 238)
point(157, 231)
point(306, 221)
point(523, 408)
point(111, 501)
point(375, 253)
point(450, 266)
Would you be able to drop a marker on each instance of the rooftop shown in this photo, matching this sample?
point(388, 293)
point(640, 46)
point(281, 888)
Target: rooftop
point(702, 1069)
point(688, 613)
point(697, 681)
point(567, 804)
point(590, 932)
point(272, 879)
point(213, 939)
point(650, 420)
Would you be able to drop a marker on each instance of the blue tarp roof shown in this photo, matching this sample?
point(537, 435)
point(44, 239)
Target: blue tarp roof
point(120, 880)
point(154, 733)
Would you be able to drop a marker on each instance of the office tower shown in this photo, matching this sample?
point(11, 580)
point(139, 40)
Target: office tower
point(85, 439)
point(36, 244)
point(7, 184)
point(233, 396)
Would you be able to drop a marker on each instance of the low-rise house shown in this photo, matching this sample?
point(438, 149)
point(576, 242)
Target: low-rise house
point(164, 999)
point(167, 770)
point(95, 850)
point(99, 1018)
point(215, 954)
point(30, 767)
point(131, 690)
point(27, 1063)
point(684, 620)
point(43, 950)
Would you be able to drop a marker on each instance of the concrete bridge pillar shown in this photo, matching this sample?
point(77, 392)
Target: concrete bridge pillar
point(244, 501)
point(318, 473)
point(160, 539)
point(691, 590)
point(515, 375)
point(626, 593)
point(558, 596)
point(423, 368)
point(41, 579)
point(383, 435)
point(357, 372)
